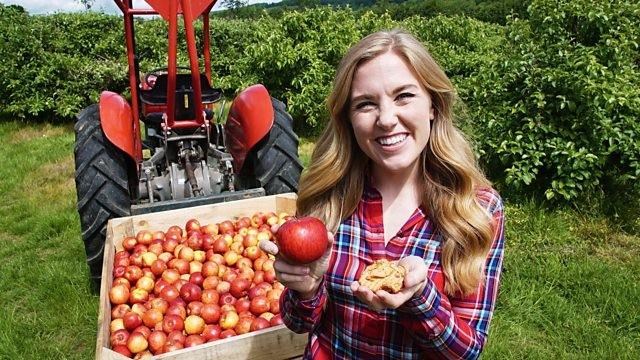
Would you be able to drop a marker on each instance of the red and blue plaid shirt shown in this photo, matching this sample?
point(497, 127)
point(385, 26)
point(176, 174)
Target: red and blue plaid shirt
point(432, 325)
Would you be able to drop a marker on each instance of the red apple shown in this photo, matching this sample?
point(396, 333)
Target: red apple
point(123, 350)
point(210, 282)
point(196, 278)
point(220, 246)
point(156, 340)
point(171, 323)
point(133, 273)
point(194, 308)
point(158, 267)
point(119, 294)
point(118, 311)
point(128, 243)
point(151, 317)
point(210, 296)
point(193, 340)
point(226, 227)
point(259, 323)
point(242, 305)
point(243, 326)
point(228, 320)
point(169, 293)
point(190, 292)
point(302, 240)
point(176, 336)
point(192, 225)
point(131, 320)
point(227, 298)
point(239, 287)
point(210, 313)
point(211, 332)
point(259, 304)
point(276, 320)
point(227, 334)
point(210, 268)
point(119, 337)
point(194, 324)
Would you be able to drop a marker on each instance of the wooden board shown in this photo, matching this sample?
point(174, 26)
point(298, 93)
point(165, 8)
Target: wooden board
point(273, 343)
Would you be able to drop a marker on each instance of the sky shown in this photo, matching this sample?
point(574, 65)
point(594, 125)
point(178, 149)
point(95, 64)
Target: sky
point(108, 6)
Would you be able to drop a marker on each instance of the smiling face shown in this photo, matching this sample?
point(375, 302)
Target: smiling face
point(390, 112)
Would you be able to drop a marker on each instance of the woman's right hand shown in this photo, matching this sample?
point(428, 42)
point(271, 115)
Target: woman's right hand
point(305, 279)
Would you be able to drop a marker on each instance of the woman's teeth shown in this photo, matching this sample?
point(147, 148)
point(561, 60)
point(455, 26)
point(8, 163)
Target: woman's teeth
point(391, 140)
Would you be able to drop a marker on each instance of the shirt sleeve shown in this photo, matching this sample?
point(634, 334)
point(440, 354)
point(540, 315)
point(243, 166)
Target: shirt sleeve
point(300, 315)
point(457, 328)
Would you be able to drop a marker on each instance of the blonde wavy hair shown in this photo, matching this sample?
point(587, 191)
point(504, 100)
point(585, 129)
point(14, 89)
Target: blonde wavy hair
point(332, 185)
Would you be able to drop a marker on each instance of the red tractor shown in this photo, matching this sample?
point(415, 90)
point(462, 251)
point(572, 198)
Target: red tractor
point(185, 157)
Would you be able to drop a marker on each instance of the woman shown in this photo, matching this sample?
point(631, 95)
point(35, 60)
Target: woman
point(394, 179)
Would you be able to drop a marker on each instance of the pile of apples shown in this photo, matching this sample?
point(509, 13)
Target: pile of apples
point(179, 288)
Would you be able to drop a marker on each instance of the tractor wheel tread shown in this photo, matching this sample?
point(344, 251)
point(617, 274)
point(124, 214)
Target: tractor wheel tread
point(101, 185)
point(274, 163)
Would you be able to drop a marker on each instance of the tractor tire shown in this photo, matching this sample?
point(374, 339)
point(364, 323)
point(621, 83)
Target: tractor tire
point(101, 184)
point(273, 163)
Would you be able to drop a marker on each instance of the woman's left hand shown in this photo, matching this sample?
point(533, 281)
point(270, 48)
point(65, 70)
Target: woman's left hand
point(414, 282)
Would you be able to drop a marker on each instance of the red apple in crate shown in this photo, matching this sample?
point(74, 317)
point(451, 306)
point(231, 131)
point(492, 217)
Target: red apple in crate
point(118, 311)
point(276, 320)
point(131, 320)
point(195, 308)
point(211, 332)
point(172, 322)
point(259, 323)
point(228, 320)
point(302, 240)
point(119, 294)
point(194, 324)
point(137, 343)
point(142, 329)
point(170, 346)
point(192, 224)
point(259, 305)
point(242, 305)
point(156, 340)
point(210, 313)
point(193, 340)
point(239, 287)
point(123, 350)
point(119, 337)
point(243, 326)
point(210, 296)
point(151, 317)
point(176, 336)
point(190, 292)
point(227, 334)
point(129, 242)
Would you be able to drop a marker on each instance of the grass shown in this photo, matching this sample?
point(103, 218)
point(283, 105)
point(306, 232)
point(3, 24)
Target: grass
point(569, 291)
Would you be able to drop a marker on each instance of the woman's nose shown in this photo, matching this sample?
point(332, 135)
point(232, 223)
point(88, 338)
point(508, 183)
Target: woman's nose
point(387, 117)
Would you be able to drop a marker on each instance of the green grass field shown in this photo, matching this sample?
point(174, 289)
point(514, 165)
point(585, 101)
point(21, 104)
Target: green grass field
point(570, 288)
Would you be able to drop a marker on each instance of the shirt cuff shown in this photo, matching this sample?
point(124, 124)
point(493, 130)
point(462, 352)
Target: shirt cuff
point(425, 303)
point(309, 304)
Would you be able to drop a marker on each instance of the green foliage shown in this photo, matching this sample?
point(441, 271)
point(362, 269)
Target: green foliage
point(47, 72)
point(558, 114)
point(551, 101)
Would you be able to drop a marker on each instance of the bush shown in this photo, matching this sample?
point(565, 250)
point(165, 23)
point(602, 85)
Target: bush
point(558, 115)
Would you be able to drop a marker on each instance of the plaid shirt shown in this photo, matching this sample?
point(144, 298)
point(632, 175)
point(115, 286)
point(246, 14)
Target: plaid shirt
point(431, 325)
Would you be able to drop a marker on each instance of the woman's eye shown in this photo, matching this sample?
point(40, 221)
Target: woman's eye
point(364, 104)
point(405, 95)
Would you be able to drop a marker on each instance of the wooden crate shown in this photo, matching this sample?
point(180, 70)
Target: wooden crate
point(273, 343)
